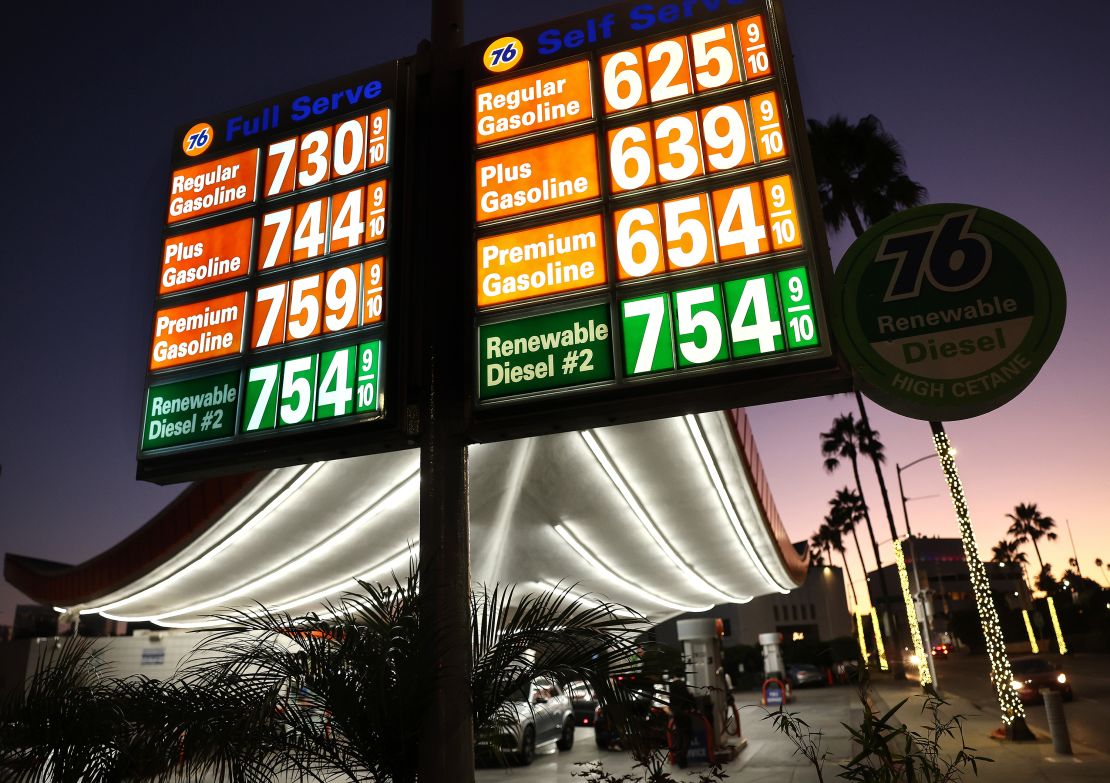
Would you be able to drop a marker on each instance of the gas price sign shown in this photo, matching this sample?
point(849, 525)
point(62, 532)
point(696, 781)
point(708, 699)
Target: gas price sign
point(645, 218)
point(275, 284)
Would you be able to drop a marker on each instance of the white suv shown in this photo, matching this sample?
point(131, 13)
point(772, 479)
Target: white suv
point(544, 714)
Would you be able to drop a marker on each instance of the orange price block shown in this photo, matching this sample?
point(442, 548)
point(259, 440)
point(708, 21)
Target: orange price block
point(195, 332)
point(305, 300)
point(535, 262)
point(782, 213)
point(309, 237)
point(376, 205)
point(314, 158)
point(639, 242)
point(268, 321)
point(527, 104)
point(668, 69)
point(688, 229)
point(631, 158)
point(341, 298)
point(213, 186)
point(741, 222)
point(377, 149)
point(373, 290)
point(623, 80)
point(538, 178)
point(205, 257)
point(349, 142)
point(768, 127)
point(753, 47)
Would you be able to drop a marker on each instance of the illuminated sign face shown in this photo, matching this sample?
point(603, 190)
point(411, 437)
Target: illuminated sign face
point(641, 214)
point(271, 314)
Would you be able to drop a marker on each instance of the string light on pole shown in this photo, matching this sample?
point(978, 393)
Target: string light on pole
point(1013, 713)
point(1060, 644)
point(883, 665)
point(1036, 648)
point(862, 641)
point(911, 616)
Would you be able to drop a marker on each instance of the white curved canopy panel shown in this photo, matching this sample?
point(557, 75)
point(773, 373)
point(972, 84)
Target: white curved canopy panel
point(661, 516)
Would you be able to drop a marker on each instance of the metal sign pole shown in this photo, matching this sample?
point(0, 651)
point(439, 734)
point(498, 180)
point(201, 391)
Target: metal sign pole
point(447, 750)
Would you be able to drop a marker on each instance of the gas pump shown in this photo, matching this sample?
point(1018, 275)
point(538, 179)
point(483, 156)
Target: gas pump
point(705, 671)
point(776, 686)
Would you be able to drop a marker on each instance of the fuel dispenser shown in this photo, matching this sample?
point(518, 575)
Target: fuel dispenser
point(705, 673)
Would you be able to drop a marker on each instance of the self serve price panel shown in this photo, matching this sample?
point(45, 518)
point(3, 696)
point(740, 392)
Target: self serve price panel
point(643, 218)
point(274, 286)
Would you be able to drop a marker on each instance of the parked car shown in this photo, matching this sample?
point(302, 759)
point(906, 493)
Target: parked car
point(940, 650)
point(647, 704)
point(584, 702)
point(1031, 674)
point(543, 714)
point(801, 674)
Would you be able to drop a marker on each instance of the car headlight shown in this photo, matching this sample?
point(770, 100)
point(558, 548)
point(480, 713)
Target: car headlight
point(1061, 678)
point(1017, 685)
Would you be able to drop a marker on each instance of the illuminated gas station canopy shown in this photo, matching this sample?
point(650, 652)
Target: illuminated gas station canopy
point(601, 510)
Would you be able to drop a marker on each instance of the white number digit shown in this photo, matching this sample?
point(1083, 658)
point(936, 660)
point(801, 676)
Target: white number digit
point(633, 231)
point(315, 169)
point(347, 227)
point(335, 388)
point(763, 330)
point(302, 298)
point(286, 149)
point(282, 218)
point(758, 62)
point(677, 227)
point(349, 133)
point(667, 86)
point(683, 129)
point(705, 55)
point(309, 236)
point(689, 322)
point(340, 299)
point(274, 297)
point(654, 308)
point(624, 151)
point(741, 208)
point(622, 83)
point(725, 150)
point(298, 387)
point(268, 374)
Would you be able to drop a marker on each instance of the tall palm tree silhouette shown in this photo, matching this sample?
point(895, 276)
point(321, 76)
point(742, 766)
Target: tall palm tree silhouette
point(1029, 526)
point(861, 179)
point(861, 172)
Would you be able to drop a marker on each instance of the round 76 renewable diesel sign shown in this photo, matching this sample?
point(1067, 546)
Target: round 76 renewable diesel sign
point(947, 311)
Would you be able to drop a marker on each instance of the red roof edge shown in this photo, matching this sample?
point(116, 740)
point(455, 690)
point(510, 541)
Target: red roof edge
point(796, 564)
point(166, 534)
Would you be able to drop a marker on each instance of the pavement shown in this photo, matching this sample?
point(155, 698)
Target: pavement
point(1034, 762)
point(771, 758)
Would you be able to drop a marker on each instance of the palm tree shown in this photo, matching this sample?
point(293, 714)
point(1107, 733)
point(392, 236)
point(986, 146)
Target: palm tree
point(1006, 552)
point(835, 540)
point(1101, 570)
point(861, 172)
point(339, 694)
point(846, 511)
point(846, 440)
point(1029, 525)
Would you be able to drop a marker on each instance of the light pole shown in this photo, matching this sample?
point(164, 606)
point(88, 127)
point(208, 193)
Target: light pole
point(918, 597)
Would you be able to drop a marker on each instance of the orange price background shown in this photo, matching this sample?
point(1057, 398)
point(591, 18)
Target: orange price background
point(212, 320)
point(566, 87)
point(226, 242)
point(551, 175)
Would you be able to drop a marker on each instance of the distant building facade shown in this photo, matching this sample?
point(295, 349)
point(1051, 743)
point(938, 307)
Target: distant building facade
point(818, 610)
point(945, 580)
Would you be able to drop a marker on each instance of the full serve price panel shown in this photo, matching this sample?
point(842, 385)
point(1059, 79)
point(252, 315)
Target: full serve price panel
point(274, 269)
point(640, 213)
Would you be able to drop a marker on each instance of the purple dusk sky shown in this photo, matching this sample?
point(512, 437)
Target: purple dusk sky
point(1000, 104)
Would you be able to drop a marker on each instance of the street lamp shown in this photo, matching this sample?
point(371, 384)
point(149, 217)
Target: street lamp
point(919, 598)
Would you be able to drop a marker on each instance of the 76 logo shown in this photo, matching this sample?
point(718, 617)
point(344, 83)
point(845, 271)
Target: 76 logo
point(949, 255)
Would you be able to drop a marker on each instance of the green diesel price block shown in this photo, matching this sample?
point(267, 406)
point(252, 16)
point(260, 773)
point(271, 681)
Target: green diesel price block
point(646, 326)
point(545, 352)
point(190, 411)
point(369, 382)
